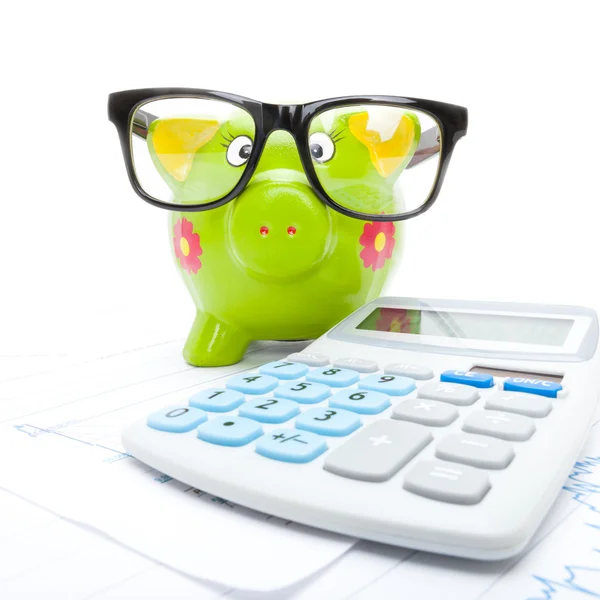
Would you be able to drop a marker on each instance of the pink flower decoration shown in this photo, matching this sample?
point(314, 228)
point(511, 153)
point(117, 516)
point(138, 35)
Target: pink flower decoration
point(378, 241)
point(187, 246)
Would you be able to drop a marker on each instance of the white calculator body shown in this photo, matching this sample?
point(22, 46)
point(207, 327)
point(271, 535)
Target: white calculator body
point(439, 425)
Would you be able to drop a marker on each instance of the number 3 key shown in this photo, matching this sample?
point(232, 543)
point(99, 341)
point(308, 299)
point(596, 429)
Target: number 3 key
point(328, 422)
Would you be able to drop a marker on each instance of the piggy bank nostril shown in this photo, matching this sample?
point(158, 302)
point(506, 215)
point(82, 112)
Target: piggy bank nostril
point(291, 230)
point(264, 230)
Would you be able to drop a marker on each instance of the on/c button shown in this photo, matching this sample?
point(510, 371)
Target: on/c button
point(530, 385)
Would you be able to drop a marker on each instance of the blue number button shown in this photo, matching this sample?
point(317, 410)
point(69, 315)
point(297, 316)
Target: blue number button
point(326, 421)
point(303, 392)
point(393, 385)
point(177, 419)
point(530, 385)
point(229, 431)
point(360, 401)
point(216, 400)
point(252, 383)
point(284, 370)
point(478, 380)
point(291, 445)
point(333, 377)
point(273, 410)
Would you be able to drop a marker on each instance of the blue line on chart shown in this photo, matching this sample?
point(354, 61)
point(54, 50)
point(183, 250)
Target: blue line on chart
point(582, 492)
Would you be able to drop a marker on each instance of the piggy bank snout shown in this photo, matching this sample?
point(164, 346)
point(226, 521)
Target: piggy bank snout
point(279, 229)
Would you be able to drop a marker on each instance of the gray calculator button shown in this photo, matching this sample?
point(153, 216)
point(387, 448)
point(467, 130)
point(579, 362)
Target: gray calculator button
point(378, 451)
point(413, 371)
point(475, 450)
point(505, 426)
point(447, 482)
point(357, 364)
point(454, 393)
point(310, 359)
point(425, 412)
point(529, 405)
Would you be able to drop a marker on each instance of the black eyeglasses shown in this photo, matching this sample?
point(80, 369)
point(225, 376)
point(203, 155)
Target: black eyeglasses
point(376, 158)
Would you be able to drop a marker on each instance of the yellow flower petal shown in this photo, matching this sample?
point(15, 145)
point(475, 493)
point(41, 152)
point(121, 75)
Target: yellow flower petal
point(386, 156)
point(176, 142)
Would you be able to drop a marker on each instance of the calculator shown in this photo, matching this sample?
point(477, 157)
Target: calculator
point(440, 425)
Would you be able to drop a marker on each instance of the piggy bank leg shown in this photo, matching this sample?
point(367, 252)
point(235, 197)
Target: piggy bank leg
point(213, 343)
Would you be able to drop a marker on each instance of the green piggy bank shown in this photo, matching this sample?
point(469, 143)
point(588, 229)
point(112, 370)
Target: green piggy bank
point(276, 263)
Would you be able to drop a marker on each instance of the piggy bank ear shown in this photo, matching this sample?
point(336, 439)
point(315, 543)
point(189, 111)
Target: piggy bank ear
point(395, 152)
point(173, 144)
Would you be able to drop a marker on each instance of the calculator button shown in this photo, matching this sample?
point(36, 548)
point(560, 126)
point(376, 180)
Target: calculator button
point(334, 377)
point(529, 405)
point(176, 419)
point(291, 445)
point(361, 365)
point(284, 370)
point(505, 426)
point(425, 412)
point(229, 431)
point(478, 380)
point(303, 392)
point(252, 383)
point(378, 451)
point(363, 402)
point(447, 482)
point(412, 371)
point(272, 410)
point(327, 421)
point(531, 385)
point(216, 400)
point(454, 393)
point(309, 358)
point(475, 450)
point(393, 385)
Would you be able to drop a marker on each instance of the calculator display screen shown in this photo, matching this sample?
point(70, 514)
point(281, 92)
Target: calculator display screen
point(473, 326)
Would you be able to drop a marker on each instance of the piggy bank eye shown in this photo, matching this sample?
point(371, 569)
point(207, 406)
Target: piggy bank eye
point(239, 150)
point(321, 146)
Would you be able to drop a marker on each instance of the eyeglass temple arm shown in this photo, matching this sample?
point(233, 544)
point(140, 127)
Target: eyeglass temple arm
point(429, 145)
point(141, 123)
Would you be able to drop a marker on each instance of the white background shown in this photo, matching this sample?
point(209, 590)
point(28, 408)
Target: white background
point(517, 218)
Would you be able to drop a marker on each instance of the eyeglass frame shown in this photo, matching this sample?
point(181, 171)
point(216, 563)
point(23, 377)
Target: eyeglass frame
point(296, 119)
